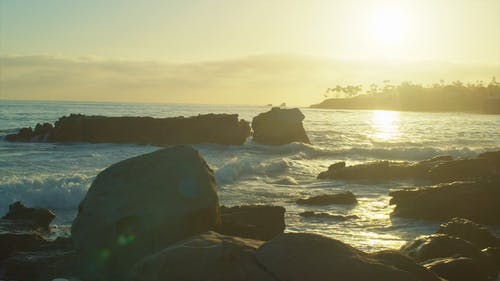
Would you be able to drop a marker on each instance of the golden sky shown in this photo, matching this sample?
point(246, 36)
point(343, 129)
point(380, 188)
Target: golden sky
point(238, 51)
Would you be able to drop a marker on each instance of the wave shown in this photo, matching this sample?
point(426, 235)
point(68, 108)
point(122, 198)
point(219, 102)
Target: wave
point(237, 168)
point(47, 191)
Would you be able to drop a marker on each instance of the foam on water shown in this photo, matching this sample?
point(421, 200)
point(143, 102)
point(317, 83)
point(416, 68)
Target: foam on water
point(57, 176)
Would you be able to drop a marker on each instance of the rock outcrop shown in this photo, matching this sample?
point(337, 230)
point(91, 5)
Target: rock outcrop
point(477, 201)
point(252, 221)
point(141, 205)
point(344, 198)
point(323, 215)
point(468, 230)
point(208, 256)
point(303, 256)
point(438, 169)
point(36, 217)
point(279, 126)
point(209, 128)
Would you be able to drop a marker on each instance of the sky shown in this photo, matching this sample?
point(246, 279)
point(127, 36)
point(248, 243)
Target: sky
point(241, 52)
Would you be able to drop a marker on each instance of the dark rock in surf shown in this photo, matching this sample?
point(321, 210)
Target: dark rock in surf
point(252, 221)
point(321, 215)
point(477, 201)
point(209, 128)
point(331, 170)
point(208, 256)
point(279, 126)
point(304, 256)
point(37, 217)
point(142, 205)
point(475, 233)
point(49, 260)
point(345, 198)
point(15, 241)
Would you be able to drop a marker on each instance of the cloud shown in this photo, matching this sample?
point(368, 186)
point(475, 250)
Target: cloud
point(297, 80)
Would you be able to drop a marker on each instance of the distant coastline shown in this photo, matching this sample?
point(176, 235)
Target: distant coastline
point(408, 97)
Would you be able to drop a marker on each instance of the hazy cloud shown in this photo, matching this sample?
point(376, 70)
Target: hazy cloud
point(298, 80)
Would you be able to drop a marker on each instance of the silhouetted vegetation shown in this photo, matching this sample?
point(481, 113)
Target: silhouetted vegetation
point(456, 96)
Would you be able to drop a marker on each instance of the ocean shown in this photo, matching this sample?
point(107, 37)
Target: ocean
point(57, 176)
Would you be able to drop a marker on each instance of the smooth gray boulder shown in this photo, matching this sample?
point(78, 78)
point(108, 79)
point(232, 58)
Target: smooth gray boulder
point(279, 126)
point(141, 205)
point(208, 256)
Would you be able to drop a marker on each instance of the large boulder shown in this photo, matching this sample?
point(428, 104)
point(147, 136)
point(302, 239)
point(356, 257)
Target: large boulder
point(279, 126)
point(37, 217)
point(476, 234)
point(208, 256)
point(209, 128)
point(258, 222)
point(477, 201)
point(141, 205)
point(304, 256)
point(343, 198)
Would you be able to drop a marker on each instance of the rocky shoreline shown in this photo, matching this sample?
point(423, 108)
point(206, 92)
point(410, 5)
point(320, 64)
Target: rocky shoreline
point(149, 218)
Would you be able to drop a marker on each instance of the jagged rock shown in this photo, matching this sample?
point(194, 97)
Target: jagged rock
point(279, 126)
point(327, 199)
point(252, 221)
point(477, 201)
point(208, 256)
point(37, 217)
point(304, 256)
point(141, 205)
point(476, 234)
point(209, 128)
point(320, 215)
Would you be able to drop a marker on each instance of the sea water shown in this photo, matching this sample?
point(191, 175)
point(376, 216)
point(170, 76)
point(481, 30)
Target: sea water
point(57, 176)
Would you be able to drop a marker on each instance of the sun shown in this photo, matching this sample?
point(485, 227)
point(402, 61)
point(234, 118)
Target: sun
point(389, 26)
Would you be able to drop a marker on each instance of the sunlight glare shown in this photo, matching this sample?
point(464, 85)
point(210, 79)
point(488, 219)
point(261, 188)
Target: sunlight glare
point(389, 26)
point(385, 124)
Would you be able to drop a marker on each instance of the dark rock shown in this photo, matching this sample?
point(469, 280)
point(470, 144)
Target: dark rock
point(477, 201)
point(279, 126)
point(141, 205)
point(458, 269)
point(208, 256)
point(209, 128)
point(327, 199)
point(312, 214)
point(37, 217)
point(13, 242)
point(252, 221)
point(476, 234)
point(303, 257)
point(438, 169)
point(442, 246)
point(47, 261)
point(403, 262)
point(24, 135)
point(493, 253)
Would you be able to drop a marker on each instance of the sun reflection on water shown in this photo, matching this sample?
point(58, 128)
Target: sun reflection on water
point(385, 124)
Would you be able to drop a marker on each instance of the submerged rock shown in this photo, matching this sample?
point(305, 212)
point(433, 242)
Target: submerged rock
point(477, 201)
point(303, 256)
point(36, 217)
point(208, 256)
point(141, 205)
point(252, 221)
point(321, 215)
point(209, 128)
point(327, 199)
point(279, 126)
